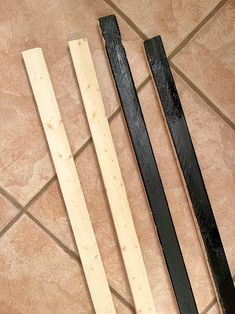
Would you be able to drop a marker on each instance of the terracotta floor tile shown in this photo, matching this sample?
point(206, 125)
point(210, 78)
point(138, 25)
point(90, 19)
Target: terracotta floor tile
point(37, 276)
point(7, 211)
point(25, 165)
point(208, 59)
point(173, 20)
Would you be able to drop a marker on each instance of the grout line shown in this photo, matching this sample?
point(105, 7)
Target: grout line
point(23, 210)
point(68, 251)
point(212, 303)
point(83, 147)
point(126, 19)
point(148, 78)
point(11, 223)
point(197, 29)
point(40, 192)
point(114, 114)
point(209, 306)
point(122, 299)
point(11, 198)
point(75, 256)
point(202, 95)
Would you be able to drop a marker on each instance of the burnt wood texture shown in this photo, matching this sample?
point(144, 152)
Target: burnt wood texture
point(177, 125)
point(147, 164)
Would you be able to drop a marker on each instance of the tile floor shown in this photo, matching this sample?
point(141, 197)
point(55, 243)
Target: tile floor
point(40, 271)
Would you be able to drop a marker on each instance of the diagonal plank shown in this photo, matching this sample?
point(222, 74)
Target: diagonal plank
point(69, 181)
point(111, 174)
point(147, 164)
point(190, 169)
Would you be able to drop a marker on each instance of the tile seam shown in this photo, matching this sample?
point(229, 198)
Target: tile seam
point(11, 198)
point(18, 205)
point(204, 21)
point(11, 223)
point(74, 255)
point(126, 19)
point(23, 210)
point(202, 95)
point(212, 303)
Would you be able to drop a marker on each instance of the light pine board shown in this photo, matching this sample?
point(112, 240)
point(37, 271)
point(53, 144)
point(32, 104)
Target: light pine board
point(68, 180)
point(111, 174)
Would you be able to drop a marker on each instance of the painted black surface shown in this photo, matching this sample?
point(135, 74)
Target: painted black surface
point(147, 164)
point(175, 118)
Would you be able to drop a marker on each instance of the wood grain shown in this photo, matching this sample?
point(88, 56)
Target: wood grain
point(68, 180)
point(112, 177)
point(178, 129)
point(147, 164)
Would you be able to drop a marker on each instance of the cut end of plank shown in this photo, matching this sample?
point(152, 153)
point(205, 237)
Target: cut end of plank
point(28, 52)
point(109, 26)
point(154, 47)
point(156, 40)
point(78, 42)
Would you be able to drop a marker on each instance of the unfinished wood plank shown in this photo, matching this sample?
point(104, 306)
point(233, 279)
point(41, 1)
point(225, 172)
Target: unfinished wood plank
point(111, 174)
point(184, 149)
point(68, 180)
point(147, 164)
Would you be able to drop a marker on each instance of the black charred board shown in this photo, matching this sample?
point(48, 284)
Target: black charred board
point(147, 164)
point(177, 125)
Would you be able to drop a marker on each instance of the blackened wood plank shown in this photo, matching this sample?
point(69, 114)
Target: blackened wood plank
point(147, 164)
point(177, 125)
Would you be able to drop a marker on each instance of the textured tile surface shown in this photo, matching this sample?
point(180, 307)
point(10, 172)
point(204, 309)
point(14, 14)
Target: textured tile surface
point(208, 60)
point(25, 165)
point(37, 276)
point(174, 20)
point(7, 211)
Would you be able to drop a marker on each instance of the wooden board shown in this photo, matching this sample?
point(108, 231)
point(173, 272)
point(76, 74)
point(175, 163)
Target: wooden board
point(111, 174)
point(184, 149)
point(147, 165)
point(68, 180)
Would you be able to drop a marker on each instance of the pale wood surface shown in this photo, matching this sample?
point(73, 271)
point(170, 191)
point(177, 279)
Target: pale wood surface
point(68, 180)
point(112, 177)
